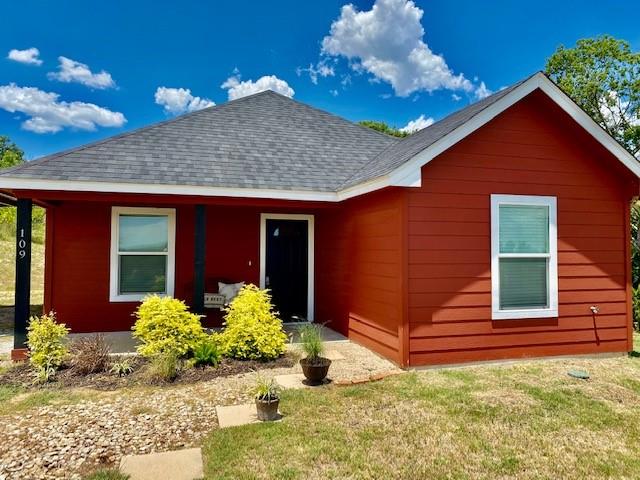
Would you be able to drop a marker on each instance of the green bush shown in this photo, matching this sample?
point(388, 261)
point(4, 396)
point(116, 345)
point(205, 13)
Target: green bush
point(164, 324)
point(253, 330)
point(163, 367)
point(206, 352)
point(45, 339)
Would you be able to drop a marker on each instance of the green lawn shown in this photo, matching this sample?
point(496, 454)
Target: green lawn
point(511, 421)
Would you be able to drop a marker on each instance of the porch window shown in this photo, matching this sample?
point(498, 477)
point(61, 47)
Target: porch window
point(142, 252)
point(524, 257)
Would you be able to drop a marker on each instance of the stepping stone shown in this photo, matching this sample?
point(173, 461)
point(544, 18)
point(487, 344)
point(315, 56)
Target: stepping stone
point(236, 415)
point(295, 381)
point(333, 355)
point(177, 465)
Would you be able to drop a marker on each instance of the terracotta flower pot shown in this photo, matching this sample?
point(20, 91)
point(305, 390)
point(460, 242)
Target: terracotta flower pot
point(315, 371)
point(267, 409)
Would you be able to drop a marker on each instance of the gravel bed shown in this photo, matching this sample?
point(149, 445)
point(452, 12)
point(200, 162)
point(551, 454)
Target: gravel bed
point(66, 441)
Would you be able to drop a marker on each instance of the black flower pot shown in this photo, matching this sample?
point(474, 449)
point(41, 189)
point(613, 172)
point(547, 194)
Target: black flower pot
point(267, 409)
point(315, 371)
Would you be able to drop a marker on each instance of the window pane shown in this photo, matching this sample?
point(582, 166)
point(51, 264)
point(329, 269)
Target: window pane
point(143, 233)
point(524, 229)
point(523, 283)
point(143, 273)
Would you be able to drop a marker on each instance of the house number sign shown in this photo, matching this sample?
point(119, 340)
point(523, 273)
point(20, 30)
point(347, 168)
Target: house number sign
point(22, 245)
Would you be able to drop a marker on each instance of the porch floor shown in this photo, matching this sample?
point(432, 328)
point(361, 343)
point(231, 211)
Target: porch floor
point(123, 342)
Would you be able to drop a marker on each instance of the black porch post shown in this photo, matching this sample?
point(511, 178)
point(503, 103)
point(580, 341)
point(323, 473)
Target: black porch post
point(199, 256)
point(23, 273)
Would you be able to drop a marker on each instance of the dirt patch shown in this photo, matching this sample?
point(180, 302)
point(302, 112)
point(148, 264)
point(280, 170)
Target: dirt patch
point(21, 375)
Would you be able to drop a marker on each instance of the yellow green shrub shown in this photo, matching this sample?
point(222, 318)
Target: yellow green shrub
point(45, 339)
point(165, 325)
point(252, 330)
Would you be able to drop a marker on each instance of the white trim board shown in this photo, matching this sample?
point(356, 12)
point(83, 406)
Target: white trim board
point(552, 263)
point(114, 266)
point(310, 253)
point(406, 175)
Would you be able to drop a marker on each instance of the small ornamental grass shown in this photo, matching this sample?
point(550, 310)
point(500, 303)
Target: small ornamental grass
point(252, 330)
point(121, 368)
point(165, 325)
point(206, 353)
point(163, 367)
point(265, 389)
point(312, 344)
point(89, 354)
point(47, 351)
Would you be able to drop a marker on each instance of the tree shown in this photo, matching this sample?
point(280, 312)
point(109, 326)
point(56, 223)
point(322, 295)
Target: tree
point(383, 127)
point(10, 153)
point(602, 75)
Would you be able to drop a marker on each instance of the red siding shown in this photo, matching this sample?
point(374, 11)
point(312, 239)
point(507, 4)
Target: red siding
point(360, 270)
point(519, 152)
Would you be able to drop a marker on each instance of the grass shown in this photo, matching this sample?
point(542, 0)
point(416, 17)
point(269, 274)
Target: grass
point(15, 400)
point(528, 420)
point(107, 475)
point(8, 269)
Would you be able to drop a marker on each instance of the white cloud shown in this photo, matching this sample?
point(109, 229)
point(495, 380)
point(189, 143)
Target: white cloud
point(49, 114)
point(30, 56)
point(417, 124)
point(180, 100)
point(482, 91)
point(455, 97)
point(334, 92)
point(387, 41)
point(321, 69)
point(238, 89)
point(70, 71)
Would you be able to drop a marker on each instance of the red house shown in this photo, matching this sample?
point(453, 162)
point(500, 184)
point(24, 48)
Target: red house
point(501, 231)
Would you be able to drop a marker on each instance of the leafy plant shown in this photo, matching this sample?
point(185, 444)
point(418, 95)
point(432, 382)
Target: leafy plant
point(90, 354)
point(253, 330)
point(311, 341)
point(121, 368)
point(383, 127)
point(266, 389)
point(164, 324)
point(206, 353)
point(163, 367)
point(45, 339)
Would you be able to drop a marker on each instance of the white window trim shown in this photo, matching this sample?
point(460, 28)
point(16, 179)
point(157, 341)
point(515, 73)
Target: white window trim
point(170, 213)
point(310, 252)
point(552, 283)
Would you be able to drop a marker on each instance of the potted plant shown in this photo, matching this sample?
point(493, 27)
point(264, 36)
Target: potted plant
point(267, 395)
point(314, 366)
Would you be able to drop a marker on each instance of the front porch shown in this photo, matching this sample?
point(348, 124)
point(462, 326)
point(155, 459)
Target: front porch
point(104, 253)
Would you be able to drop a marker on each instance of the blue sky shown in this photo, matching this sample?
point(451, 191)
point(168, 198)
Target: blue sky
point(389, 60)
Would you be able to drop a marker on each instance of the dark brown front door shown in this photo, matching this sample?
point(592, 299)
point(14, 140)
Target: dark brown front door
point(286, 267)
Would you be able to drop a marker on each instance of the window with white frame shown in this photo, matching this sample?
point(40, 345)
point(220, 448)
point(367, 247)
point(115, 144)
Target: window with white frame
point(524, 257)
point(142, 252)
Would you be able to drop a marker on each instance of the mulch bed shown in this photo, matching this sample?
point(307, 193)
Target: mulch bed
point(21, 375)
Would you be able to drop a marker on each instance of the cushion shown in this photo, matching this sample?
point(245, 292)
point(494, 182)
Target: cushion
point(229, 290)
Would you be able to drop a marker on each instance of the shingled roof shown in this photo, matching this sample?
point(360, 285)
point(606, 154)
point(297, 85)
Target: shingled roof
point(264, 140)
point(268, 145)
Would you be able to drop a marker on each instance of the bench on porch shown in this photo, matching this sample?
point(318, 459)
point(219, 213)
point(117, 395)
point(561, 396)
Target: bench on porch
point(219, 299)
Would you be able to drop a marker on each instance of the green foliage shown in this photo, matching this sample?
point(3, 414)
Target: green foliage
point(10, 154)
point(383, 127)
point(206, 352)
point(603, 76)
point(164, 324)
point(253, 330)
point(108, 474)
point(311, 338)
point(266, 389)
point(163, 367)
point(45, 339)
point(121, 368)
